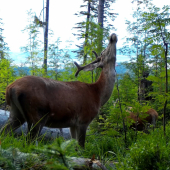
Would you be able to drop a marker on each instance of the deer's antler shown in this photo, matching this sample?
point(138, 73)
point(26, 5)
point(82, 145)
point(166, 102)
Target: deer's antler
point(79, 68)
point(88, 67)
point(95, 54)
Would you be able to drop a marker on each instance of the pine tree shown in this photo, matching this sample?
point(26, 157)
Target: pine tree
point(34, 45)
point(6, 71)
point(85, 26)
point(58, 58)
point(4, 49)
point(90, 31)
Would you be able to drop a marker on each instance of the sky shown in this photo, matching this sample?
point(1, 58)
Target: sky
point(61, 20)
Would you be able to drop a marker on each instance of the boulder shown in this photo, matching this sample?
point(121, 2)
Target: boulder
point(48, 132)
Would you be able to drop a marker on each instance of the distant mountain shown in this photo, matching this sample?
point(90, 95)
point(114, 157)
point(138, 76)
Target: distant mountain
point(23, 70)
point(120, 69)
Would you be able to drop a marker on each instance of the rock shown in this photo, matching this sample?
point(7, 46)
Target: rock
point(48, 132)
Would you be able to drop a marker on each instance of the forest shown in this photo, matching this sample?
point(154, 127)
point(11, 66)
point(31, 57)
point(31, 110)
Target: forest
point(132, 129)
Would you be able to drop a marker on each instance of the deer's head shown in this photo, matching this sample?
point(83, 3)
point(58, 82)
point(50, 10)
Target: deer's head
point(108, 56)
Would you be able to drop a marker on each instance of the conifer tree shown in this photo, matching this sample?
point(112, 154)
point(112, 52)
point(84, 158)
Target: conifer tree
point(33, 46)
point(4, 49)
point(84, 27)
point(6, 71)
point(89, 30)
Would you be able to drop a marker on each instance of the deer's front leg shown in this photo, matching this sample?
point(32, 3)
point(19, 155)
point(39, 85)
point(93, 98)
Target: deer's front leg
point(81, 135)
point(73, 131)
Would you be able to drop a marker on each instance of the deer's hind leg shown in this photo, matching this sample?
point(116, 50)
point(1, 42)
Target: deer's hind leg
point(14, 121)
point(34, 129)
point(35, 123)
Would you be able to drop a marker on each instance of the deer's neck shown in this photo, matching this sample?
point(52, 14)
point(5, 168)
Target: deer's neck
point(106, 83)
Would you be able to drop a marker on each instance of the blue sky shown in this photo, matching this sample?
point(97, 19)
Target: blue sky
point(61, 21)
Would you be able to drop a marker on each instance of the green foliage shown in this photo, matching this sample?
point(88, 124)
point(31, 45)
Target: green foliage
point(102, 145)
point(4, 49)
point(110, 115)
point(148, 152)
point(57, 152)
point(128, 88)
point(95, 36)
point(12, 159)
point(90, 31)
point(6, 77)
point(156, 20)
point(59, 60)
point(146, 48)
point(17, 153)
point(33, 48)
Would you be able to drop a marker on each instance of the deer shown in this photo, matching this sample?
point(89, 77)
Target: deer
point(56, 104)
point(139, 123)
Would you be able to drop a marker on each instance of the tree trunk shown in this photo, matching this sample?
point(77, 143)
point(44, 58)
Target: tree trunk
point(87, 30)
point(100, 31)
point(46, 36)
point(101, 12)
point(166, 72)
point(166, 75)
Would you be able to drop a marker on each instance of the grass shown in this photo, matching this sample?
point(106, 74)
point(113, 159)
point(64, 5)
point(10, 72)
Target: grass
point(37, 156)
point(148, 151)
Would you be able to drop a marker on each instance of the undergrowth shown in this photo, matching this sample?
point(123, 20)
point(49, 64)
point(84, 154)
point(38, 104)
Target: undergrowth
point(149, 152)
point(144, 152)
point(16, 153)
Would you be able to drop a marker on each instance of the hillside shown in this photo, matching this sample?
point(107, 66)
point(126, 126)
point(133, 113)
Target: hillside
point(120, 69)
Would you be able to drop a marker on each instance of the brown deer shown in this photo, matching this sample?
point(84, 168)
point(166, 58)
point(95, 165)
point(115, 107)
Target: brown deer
point(45, 102)
point(139, 123)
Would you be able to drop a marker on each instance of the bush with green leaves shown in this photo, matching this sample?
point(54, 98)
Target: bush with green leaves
point(6, 77)
point(148, 152)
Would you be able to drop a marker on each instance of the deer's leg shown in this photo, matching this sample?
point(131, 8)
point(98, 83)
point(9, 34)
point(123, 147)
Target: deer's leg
point(73, 131)
point(34, 130)
point(35, 126)
point(153, 120)
point(14, 121)
point(81, 135)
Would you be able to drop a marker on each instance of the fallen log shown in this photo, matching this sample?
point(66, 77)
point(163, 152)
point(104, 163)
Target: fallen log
point(85, 163)
point(74, 162)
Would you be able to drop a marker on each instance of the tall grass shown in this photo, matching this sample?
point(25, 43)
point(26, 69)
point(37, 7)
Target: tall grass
point(150, 152)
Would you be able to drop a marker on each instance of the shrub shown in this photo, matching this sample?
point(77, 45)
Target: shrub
point(149, 152)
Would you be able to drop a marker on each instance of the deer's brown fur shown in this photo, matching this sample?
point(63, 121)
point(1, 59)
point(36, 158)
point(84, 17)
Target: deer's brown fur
point(139, 123)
